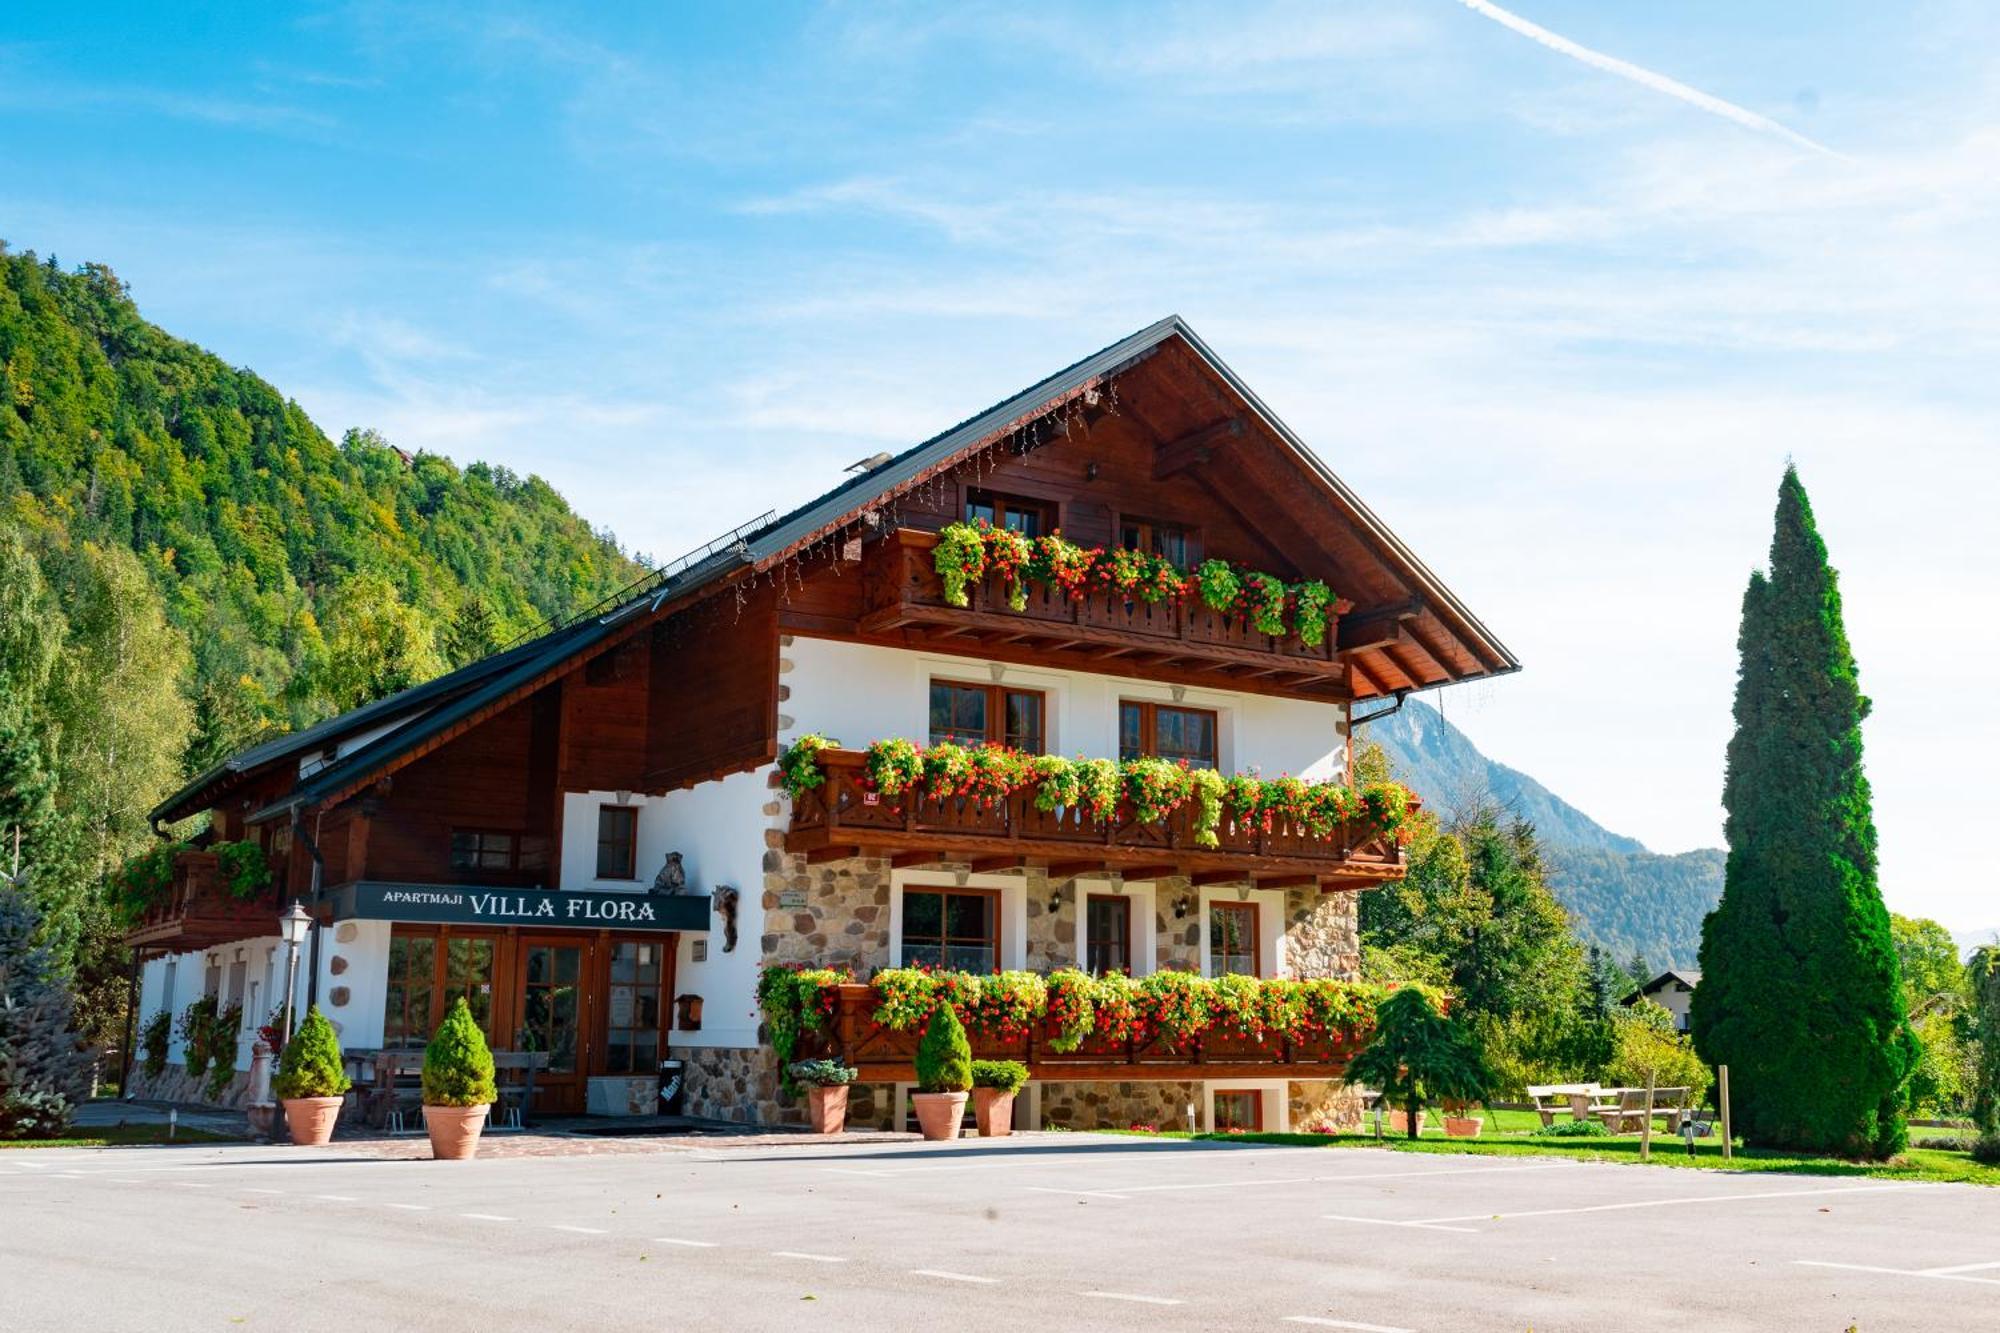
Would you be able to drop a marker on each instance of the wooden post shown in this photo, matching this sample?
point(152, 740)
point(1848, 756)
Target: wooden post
point(1722, 1075)
point(1646, 1125)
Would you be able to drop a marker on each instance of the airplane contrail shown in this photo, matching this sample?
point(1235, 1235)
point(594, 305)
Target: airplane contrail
point(1625, 69)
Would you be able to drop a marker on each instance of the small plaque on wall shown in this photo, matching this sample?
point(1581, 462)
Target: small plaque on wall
point(792, 900)
point(701, 951)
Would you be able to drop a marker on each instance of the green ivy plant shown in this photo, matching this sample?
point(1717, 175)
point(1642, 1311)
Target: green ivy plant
point(796, 1000)
point(154, 1039)
point(245, 870)
point(195, 1022)
point(798, 769)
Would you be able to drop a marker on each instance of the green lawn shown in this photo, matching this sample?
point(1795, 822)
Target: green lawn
point(1917, 1164)
point(122, 1136)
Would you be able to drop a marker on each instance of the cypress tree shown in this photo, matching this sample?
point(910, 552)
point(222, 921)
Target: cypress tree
point(1800, 993)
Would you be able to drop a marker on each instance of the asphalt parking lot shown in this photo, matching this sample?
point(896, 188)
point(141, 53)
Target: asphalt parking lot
point(1061, 1230)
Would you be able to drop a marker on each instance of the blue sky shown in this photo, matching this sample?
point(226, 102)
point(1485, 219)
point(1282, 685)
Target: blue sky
point(1558, 321)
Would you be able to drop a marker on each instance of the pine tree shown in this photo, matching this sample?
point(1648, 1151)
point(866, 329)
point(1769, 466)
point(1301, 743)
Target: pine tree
point(42, 1064)
point(1800, 994)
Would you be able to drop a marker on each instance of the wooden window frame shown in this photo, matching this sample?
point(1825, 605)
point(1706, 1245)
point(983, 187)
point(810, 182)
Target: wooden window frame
point(999, 920)
point(996, 709)
point(513, 837)
point(631, 847)
point(1252, 910)
point(1050, 505)
point(1256, 1096)
point(1191, 532)
point(1125, 943)
point(1149, 725)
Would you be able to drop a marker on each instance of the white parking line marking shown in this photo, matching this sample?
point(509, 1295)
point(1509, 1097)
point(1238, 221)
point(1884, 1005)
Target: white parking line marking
point(260, 1189)
point(73, 1175)
point(813, 1258)
point(1332, 1180)
point(1957, 1268)
point(1094, 1194)
point(1932, 1275)
point(335, 1198)
point(189, 1184)
point(410, 1207)
point(944, 1275)
point(1391, 1222)
point(486, 1217)
point(1128, 1296)
point(1318, 1322)
point(1674, 1203)
point(581, 1231)
point(129, 1181)
point(691, 1244)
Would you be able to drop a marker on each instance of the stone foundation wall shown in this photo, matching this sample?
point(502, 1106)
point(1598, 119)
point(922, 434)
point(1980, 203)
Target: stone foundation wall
point(1323, 1107)
point(741, 1086)
point(1118, 1105)
point(172, 1084)
point(1323, 934)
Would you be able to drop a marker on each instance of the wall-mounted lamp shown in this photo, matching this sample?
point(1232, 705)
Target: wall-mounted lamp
point(1090, 471)
point(1181, 906)
point(624, 797)
point(1055, 901)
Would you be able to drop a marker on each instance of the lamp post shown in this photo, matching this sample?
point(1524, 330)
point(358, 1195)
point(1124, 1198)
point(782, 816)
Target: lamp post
point(293, 925)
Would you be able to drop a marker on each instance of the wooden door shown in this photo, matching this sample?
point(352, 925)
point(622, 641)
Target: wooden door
point(554, 1016)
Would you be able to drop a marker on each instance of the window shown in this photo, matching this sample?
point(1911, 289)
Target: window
point(632, 1029)
point(1171, 733)
point(617, 842)
point(1107, 933)
point(1171, 541)
point(1239, 1109)
point(1030, 518)
point(1232, 939)
point(956, 929)
point(406, 1015)
point(480, 849)
point(987, 715)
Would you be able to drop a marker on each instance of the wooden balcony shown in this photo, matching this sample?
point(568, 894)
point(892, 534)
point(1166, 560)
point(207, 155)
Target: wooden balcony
point(198, 912)
point(842, 817)
point(903, 595)
point(887, 1056)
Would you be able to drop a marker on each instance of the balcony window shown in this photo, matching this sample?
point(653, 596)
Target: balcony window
point(617, 842)
point(1232, 939)
point(955, 929)
point(483, 849)
point(1171, 733)
point(1170, 541)
point(1107, 933)
point(965, 714)
point(1030, 518)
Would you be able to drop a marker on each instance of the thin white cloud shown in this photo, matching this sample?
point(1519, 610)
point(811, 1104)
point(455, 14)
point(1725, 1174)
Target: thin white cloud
point(1659, 83)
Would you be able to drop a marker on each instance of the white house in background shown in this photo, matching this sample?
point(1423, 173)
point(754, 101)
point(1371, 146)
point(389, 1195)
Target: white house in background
point(1671, 990)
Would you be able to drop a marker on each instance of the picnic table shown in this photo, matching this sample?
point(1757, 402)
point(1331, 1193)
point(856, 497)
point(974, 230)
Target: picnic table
point(1620, 1110)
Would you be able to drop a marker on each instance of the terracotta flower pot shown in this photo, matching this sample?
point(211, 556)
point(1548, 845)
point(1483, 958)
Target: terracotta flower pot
point(1461, 1126)
point(454, 1130)
point(828, 1109)
point(939, 1114)
point(310, 1119)
point(1398, 1122)
point(993, 1112)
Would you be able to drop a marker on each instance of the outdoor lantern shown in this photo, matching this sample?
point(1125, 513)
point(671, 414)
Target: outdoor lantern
point(294, 924)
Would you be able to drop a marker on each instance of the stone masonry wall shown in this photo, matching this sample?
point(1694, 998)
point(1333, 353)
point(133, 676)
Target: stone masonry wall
point(1321, 1107)
point(1323, 934)
point(1118, 1105)
point(742, 1087)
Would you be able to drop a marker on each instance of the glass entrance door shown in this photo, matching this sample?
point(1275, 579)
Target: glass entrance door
point(552, 1021)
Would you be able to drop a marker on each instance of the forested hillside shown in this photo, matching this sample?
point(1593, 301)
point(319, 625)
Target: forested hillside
point(1627, 900)
point(188, 562)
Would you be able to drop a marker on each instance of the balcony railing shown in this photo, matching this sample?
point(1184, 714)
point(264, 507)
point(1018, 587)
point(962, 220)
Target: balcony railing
point(884, 1055)
point(844, 816)
point(903, 589)
point(198, 911)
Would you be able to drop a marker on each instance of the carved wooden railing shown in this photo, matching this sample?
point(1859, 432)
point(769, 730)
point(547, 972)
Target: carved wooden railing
point(884, 1055)
point(198, 910)
point(844, 813)
point(903, 585)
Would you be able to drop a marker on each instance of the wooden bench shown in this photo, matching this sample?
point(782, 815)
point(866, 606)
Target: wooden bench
point(1627, 1114)
point(1554, 1098)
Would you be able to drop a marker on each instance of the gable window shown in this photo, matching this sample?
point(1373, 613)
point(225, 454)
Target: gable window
point(1170, 541)
point(1238, 1109)
point(1232, 939)
point(617, 841)
point(1030, 518)
point(1107, 933)
point(966, 714)
point(955, 929)
point(1171, 733)
point(484, 849)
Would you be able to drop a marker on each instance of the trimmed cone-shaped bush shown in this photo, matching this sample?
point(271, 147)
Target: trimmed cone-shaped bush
point(458, 1065)
point(310, 1066)
point(944, 1056)
point(1801, 995)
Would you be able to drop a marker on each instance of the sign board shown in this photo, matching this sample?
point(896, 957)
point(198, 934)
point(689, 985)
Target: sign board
point(475, 905)
point(791, 900)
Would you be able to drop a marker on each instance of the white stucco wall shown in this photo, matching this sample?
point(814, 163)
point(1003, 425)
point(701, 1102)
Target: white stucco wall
point(259, 991)
point(859, 693)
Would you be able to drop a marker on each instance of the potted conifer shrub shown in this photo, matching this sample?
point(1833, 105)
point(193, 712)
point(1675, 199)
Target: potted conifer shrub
point(458, 1085)
point(826, 1083)
point(944, 1075)
point(994, 1083)
point(311, 1081)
